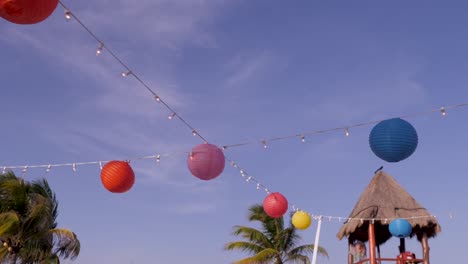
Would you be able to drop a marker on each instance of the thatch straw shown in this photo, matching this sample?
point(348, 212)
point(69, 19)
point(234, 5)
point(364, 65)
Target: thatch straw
point(384, 199)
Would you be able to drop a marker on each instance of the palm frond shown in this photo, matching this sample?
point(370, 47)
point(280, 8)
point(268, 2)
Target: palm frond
point(42, 187)
point(298, 259)
point(289, 238)
point(270, 226)
point(307, 249)
point(3, 254)
point(66, 243)
point(261, 257)
point(253, 235)
point(53, 259)
point(245, 246)
point(9, 223)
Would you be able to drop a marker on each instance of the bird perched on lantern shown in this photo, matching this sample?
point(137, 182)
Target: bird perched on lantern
point(117, 176)
point(275, 205)
point(206, 161)
point(27, 11)
point(393, 140)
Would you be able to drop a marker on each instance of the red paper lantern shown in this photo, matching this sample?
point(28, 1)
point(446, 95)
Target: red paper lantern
point(275, 205)
point(206, 161)
point(27, 11)
point(117, 176)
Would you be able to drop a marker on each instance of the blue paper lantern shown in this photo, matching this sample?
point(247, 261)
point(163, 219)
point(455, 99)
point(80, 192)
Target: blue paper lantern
point(393, 140)
point(400, 228)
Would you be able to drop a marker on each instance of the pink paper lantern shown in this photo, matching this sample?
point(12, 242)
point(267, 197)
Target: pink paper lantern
point(206, 161)
point(275, 205)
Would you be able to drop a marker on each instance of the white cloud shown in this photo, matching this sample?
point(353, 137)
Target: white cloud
point(130, 115)
point(193, 208)
point(246, 66)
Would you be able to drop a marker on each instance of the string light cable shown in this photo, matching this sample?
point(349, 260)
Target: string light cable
point(346, 129)
point(248, 178)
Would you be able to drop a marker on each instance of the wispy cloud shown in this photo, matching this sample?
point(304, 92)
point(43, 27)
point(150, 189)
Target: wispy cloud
point(246, 66)
point(172, 23)
point(193, 208)
point(129, 114)
point(390, 89)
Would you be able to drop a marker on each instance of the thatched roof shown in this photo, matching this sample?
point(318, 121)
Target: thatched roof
point(384, 199)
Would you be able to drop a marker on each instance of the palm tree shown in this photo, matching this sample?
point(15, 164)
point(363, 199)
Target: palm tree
point(28, 227)
point(273, 243)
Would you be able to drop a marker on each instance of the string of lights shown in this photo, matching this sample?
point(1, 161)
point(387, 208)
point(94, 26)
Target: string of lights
point(129, 72)
point(264, 142)
point(345, 129)
point(174, 115)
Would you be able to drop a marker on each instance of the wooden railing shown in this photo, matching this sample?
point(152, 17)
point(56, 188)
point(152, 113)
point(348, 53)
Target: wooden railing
point(397, 261)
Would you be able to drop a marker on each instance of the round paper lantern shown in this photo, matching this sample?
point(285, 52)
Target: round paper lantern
point(393, 140)
point(400, 228)
point(275, 205)
point(206, 161)
point(27, 11)
point(117, 176)
point(301, 220)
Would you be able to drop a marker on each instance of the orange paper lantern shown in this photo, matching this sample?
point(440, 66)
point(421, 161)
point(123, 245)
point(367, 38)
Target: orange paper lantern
point(117, 176)
point(275, 205)
point(27, 11)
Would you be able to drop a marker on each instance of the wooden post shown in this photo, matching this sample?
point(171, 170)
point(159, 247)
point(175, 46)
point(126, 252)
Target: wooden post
point(372, 243)
point(425, 248)
point(402, 246)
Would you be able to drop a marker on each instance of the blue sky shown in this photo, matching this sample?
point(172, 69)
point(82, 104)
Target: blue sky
point(237, 71)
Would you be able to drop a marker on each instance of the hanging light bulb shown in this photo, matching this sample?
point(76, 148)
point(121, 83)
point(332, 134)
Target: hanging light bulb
point(99, 49)
point(100, 165)
point(68, 15)
point(157, 98)
point(303, 139)
point(125, 74)
point(158, 158)
point(248, 179)
point(194, 133)
point(49, 167)
point(267, 191)
point(74, 167)
point(347, 132)
point(258, 186)
point(171, 116)
point(443, 112)
point(264, 143)
point(25, 169)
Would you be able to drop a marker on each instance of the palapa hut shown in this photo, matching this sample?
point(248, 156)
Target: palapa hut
point(382, 201)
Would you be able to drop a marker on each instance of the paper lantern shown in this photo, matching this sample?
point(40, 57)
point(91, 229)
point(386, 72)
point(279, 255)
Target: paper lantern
point(393, 140)
point(400, 228)
point(275, 205)
point(301, 220)
point(27, 11)
point(206, 161)
point(117, 176)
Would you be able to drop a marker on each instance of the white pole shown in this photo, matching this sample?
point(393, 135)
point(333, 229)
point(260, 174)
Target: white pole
point(316, 244)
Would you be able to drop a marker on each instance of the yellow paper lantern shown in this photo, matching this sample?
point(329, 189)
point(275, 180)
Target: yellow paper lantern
point(301, 220)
